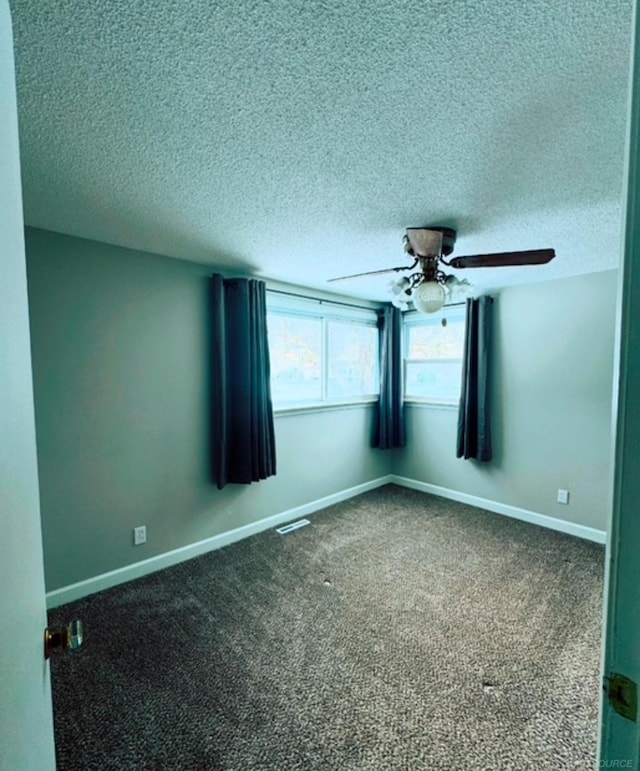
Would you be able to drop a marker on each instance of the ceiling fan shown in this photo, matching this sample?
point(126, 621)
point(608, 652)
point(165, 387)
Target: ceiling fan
point(430, 247)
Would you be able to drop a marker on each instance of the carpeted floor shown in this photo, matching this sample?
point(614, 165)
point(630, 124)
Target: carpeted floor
point(397, 631)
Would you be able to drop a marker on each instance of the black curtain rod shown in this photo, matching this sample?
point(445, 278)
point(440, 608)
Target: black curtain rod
point(319, 300)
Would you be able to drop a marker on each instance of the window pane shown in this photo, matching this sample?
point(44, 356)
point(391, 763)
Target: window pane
point(434, 358)
point(353, 359)
point(295, 345)
point(433, 341)
point(434, 379)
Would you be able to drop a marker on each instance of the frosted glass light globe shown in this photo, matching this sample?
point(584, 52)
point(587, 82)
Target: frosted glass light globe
point(398, 286)
point(429, 297)
point(400, 301)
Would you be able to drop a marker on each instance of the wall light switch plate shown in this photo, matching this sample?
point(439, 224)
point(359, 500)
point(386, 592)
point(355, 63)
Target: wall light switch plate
point(563, 496)
point(139, 535)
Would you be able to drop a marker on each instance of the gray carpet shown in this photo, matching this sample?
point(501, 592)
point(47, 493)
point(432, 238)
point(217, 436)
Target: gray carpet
point(397, 631)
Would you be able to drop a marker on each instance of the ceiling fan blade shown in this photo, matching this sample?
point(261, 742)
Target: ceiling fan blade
point(374, 272)
point(531, 257)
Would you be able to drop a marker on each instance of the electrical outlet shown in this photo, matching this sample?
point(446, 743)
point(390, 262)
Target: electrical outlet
point(139, 535)
point(563, 496)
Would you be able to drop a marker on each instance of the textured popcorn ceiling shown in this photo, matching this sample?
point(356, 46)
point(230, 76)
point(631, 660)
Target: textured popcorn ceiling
point(297, 140)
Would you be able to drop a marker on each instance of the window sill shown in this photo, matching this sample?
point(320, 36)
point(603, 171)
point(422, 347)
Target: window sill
point(299, 409)
point(425, 404)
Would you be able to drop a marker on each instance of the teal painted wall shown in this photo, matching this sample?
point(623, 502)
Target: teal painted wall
point(119, 358)
point(552, 406)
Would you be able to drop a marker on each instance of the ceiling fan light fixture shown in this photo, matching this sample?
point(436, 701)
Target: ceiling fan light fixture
point(399, 285)
point(400, 292)
point(400, 301)
point(457, 289)
point(429, 297)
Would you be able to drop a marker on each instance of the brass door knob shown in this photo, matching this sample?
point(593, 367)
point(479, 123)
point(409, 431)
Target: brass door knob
point(69, 637)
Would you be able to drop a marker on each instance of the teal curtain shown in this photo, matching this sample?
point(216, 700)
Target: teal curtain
point(390, 425)
point(242, 430)
point(474, 413)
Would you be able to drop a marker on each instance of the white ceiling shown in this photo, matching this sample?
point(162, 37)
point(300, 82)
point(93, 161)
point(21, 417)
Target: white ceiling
point(297, 140)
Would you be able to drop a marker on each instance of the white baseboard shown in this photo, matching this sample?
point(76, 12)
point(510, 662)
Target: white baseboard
point(588, 533)
point(138, 569)
point(145, 567)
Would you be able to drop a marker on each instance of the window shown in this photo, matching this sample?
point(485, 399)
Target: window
point(352, 359)
point(295, 349)
point(321, 352)
point(433, 356)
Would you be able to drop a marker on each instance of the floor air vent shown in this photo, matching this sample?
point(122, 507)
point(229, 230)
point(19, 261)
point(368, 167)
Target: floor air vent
point(292, 526)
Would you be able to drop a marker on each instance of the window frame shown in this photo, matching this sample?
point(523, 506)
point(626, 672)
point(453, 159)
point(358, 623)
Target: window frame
point(414, 319)
point(325, 311)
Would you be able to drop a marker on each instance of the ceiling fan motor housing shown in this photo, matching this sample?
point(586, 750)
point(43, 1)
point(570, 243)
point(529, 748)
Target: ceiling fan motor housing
point(448, 239)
